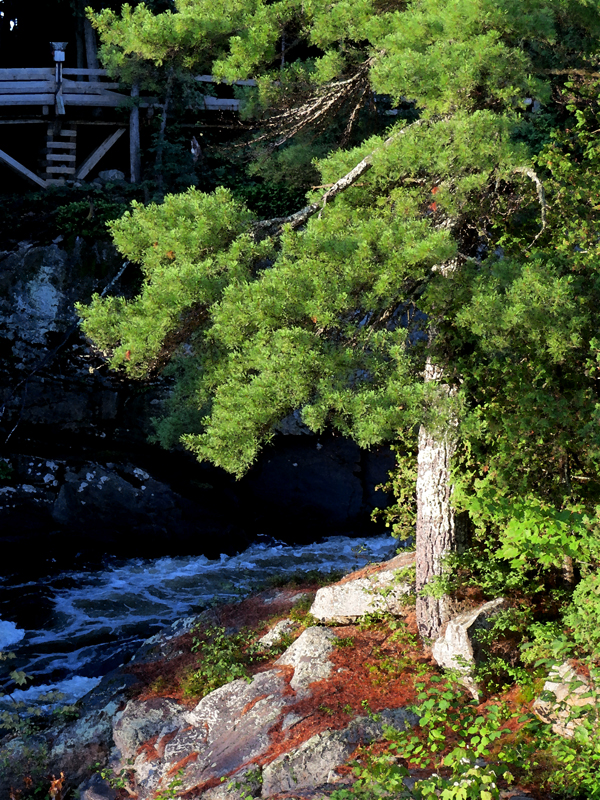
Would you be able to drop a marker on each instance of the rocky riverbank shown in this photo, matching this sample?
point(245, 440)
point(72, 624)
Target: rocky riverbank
point(305, 679)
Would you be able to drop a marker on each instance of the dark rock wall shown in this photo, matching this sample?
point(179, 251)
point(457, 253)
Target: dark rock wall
point(73, 438)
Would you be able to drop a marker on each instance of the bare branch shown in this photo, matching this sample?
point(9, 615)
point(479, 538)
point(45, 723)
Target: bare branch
point(273, 227)
point(533, 176)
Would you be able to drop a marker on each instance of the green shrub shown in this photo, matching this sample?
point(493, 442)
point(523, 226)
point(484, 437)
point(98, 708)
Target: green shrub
point(225, 656)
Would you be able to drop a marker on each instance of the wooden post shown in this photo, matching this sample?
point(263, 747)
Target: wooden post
point(134, 136)
point(91, 162)
point(59, 57)
point(21, 170)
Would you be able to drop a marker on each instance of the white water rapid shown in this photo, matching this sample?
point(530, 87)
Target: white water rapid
point(96, 620)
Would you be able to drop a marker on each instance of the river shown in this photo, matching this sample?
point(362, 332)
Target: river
point(69, 627)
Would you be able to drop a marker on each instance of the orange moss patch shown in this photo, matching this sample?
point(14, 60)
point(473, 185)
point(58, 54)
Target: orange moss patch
point(256, 611)
point(252, 703)
point(149, 749)
point(163, 676)
point(398, 562)
point(182, 764)
point(333, 702)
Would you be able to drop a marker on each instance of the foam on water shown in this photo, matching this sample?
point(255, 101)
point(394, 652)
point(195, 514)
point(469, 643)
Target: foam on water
point(71, 689)
point(9, 634)
point(101, 619)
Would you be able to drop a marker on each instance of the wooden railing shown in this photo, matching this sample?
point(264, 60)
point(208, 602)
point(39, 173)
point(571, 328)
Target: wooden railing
point(38, 87)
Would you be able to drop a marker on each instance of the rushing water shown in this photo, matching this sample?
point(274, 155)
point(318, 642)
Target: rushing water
point(71, 627)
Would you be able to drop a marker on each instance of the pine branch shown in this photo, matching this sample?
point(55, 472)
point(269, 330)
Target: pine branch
point(274, 227)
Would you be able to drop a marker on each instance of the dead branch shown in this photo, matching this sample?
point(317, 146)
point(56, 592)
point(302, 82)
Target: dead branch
point(317, 108)
point(533, 176)
point(274, 227)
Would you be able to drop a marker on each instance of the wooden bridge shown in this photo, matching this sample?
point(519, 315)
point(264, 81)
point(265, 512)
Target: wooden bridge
point(50, 95)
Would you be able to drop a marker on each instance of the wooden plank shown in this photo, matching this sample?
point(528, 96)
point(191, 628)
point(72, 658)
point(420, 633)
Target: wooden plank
point(221, 104)
point(210, 79)
point(21, 170)
point(62, 145)
point(26, 99)
point(34, 74)
point(95, 157)
point(94, 100)
point(77, 71)
point(27, 87)
point(61, 170)
point(91, 122)
point(61, 157)
point(83, 87)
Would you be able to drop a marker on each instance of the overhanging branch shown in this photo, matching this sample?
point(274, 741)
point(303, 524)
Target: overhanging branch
point(274, 227)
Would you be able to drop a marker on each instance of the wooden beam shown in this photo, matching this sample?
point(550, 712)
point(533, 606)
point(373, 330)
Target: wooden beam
point(78, 71)
point(21, 170)
point(134, 137)
point(27, 87)
point(33, 74)
point(91, 162)
point(26, 99)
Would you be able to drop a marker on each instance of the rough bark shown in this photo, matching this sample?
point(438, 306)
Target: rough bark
point(91, 48)
point(134, 137)
point(435, 533)
point(439, 529)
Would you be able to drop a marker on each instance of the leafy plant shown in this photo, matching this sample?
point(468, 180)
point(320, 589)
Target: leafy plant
point(247, 786)
point(171, 790)
point(225, 657)
point(89, 217)
point(472, 749)
point(583, 614)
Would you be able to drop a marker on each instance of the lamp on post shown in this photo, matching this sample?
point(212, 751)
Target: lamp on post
point(58, 53)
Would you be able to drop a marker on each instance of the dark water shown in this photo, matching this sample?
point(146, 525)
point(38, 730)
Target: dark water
point(68, 627)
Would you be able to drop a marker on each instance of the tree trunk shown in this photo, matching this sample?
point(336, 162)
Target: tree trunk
point(134, 137)
point(439, 529)
point(160, 144)
point(91, 48)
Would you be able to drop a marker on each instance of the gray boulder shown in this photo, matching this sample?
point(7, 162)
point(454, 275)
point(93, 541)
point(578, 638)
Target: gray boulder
point(96, 788)
point(565, 693)
point(111, 175)
point(315, 762)
point(383, 591)
point(458, 647)
point(308, 655)
point(281, 628)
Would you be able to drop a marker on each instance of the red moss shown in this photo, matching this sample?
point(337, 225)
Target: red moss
point(252, 703)
point(398, 562)
point(183, 763)
point(149, 749)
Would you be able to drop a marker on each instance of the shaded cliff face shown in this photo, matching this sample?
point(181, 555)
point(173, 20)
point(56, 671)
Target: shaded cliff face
point(73, 437)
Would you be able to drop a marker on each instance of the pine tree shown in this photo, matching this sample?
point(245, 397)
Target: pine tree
point(361, 308)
